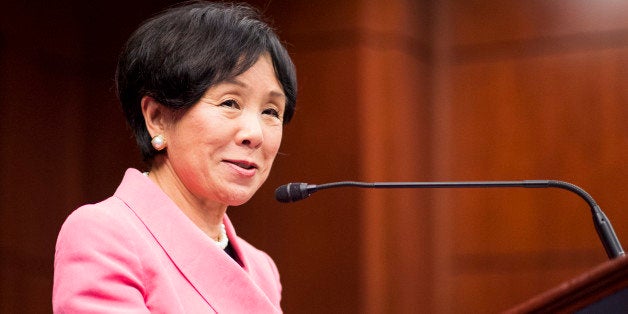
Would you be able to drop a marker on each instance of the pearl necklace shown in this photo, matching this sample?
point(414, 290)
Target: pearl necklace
point(223, 240)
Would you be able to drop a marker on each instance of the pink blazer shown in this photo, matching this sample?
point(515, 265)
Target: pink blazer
point(136, 252)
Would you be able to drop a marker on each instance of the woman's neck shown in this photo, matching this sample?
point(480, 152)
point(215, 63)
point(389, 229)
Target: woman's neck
point(206, 215)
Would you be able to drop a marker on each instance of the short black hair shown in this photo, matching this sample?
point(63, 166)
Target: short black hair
point(177, 55)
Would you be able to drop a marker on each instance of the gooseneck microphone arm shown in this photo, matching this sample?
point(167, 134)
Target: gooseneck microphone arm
point(293, 192)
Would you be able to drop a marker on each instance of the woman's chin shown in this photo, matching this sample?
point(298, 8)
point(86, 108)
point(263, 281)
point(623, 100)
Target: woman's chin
point(238, 201)
point(237, 198)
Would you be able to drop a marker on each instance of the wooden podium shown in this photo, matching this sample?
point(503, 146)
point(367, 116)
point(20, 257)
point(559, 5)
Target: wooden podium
point(603, 289)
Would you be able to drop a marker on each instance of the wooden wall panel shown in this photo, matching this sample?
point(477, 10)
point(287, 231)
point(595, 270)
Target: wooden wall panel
point(38, 81)
point(491, 22)
point(394, 126)
point(536, 90)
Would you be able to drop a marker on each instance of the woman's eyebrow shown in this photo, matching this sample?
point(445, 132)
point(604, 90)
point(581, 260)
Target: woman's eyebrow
point(235, 82)
point(274, 93)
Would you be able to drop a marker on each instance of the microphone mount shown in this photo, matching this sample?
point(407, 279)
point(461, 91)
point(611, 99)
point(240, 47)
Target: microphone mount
point(293, 192)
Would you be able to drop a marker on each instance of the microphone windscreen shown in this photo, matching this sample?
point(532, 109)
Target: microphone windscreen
point(282, 194)
point(291, 192)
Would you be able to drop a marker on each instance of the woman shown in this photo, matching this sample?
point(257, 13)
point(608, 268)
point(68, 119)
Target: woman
point(206, 88)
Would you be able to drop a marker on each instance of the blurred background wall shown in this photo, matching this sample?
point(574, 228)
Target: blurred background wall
point(397, 90)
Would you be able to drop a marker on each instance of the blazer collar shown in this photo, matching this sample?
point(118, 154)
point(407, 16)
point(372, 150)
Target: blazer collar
point(222, 282)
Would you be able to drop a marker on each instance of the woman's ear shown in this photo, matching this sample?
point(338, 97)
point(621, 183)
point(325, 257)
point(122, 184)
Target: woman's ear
point(155, 115)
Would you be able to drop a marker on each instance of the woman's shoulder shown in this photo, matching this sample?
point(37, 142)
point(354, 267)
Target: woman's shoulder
point(97, 254)
point(107, 211)
point(102, 220)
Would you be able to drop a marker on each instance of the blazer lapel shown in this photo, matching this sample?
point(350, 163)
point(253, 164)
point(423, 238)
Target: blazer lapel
point(224, 284)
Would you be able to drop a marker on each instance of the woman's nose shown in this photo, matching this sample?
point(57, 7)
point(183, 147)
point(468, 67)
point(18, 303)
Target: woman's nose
point(250, 132)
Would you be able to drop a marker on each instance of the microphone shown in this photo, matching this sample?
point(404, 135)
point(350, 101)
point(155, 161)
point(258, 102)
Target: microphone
point(293, 192)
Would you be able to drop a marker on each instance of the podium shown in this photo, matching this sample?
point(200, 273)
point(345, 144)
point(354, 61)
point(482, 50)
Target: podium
point(603, 289)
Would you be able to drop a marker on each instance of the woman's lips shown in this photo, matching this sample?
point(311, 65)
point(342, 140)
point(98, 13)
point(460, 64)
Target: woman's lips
point(243, 167)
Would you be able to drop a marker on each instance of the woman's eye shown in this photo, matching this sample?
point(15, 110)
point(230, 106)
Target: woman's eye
point(272, 112)
point(230, 103)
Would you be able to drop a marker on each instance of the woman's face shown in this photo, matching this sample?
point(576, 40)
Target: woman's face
point(223, 147)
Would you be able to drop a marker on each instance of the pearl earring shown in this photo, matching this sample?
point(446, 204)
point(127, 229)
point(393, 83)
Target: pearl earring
point(158, 142)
